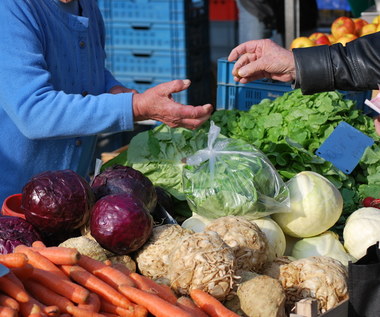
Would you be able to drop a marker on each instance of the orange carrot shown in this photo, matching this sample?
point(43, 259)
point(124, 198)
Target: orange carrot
point(64, 287)
point(109, 314)
point(187, 304)
point(23, 272)
point(38, 244)
point(106, 273)
point(147, 284)
point(93, 303)
point(12, 289)
point(96, 285)
point(6, 311)
point(13, 259)
point(60, 255)
point(39, 261)
point(47, 296)
point(78, 312)
point(29, 308)
point(210, 304)
point(15, 279)
point(154, 304)
point(107, 307)
point(52, 310)
point(10, 302)
point(122, 268)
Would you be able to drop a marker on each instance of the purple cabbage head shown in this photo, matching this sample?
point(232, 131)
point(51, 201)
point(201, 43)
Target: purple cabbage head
point(120, 223)
point(124, 179)
point(15, 231)
point(57, 203)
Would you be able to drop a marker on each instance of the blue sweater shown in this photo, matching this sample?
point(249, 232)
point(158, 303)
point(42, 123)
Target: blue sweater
point(53, 90)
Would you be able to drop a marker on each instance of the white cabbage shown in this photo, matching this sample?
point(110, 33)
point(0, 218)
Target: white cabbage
point(325, 244)
point(315, 203)
point(362, 229)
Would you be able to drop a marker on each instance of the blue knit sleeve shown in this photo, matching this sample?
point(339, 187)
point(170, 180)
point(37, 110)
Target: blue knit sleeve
point(27, 81)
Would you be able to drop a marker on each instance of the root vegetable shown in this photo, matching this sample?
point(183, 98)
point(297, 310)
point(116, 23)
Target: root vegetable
point(245, 238)
point(319, 277)
point(202, 261)
point(153, 258)
point(86, 246)
point(262, 296)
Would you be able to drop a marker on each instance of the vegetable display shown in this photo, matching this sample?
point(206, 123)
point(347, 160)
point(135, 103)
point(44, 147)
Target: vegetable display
point(57, 203)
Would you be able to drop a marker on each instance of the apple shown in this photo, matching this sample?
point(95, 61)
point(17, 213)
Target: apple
point(368, 29)
point(301, 41)
point(376, 19)
point(359, 23)
point(342, 25)
point(332, 39)
point(378, 28)
point(319, 38)
point(345, 38)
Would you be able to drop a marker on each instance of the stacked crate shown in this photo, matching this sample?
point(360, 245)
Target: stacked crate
point(149, 42)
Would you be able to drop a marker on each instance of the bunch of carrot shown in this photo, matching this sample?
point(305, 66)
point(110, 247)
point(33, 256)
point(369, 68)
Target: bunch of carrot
point(58, 281)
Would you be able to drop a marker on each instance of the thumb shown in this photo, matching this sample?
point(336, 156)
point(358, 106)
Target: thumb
point(251, 68)
point(173, 86)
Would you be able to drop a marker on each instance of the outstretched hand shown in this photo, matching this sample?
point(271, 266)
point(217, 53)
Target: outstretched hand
point(158, 104)
point(262, 59)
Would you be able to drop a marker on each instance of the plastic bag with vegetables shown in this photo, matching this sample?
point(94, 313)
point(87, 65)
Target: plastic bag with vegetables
point(232, 177)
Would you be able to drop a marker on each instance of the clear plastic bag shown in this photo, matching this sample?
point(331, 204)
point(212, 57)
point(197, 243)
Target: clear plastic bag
point(232, 177)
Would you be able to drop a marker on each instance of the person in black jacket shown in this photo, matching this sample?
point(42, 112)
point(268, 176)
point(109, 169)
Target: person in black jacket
point(355, 66)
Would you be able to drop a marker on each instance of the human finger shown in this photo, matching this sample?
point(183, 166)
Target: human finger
point(243, 60)
point(173, 86)
point(246, 47)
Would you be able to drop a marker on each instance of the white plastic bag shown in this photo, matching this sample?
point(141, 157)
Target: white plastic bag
point(232, 177)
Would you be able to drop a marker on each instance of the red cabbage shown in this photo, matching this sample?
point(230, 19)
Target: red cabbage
point(124, 179)
point(57, 203)
point(15, 231)
point(120, 223)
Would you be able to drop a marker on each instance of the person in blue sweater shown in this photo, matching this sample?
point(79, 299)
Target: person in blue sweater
point(56, 94)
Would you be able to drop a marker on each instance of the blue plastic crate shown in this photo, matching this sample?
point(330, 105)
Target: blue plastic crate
point(155, 35)
point(153, 10)
point(333, 5)
point(233, 95)
point(165, 63)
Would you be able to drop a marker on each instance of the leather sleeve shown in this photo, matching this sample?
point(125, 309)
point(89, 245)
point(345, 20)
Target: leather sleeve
point(353, 67)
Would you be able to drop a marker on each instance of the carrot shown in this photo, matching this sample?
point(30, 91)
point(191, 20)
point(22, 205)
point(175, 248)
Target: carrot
point(210, 304)
point(39, 261)
point(96, 285)
point(60, 255)
point(29, 308)
point(109, 315)
point(13, 259)
point(47, 296)
point(78, 312)
point(15, 279)
point(154, 304)
point(52, 310)
point(107, 307)
point(23, 272)
point(147, 284)
point(10, 302)
point(187, 304)
point(64, 287)
point(12, 289)
point(122, 268)
point(38, 244)
point(6, 311)
point(93, 303)
point(108, 274)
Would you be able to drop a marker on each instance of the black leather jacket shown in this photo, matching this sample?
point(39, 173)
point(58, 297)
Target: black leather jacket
point(353, 67)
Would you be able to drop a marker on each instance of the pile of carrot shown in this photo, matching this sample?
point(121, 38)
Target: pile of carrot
point(60, 282)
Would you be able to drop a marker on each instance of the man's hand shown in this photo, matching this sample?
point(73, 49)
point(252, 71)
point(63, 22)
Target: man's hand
point(158, 104)
point(262, 59)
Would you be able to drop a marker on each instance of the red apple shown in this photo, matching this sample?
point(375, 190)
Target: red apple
point(368, 29)
point(342, 25)
point(332, 39)
point(359, 23)
point(302, 41)
point(319, 38)
point(344, 39)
